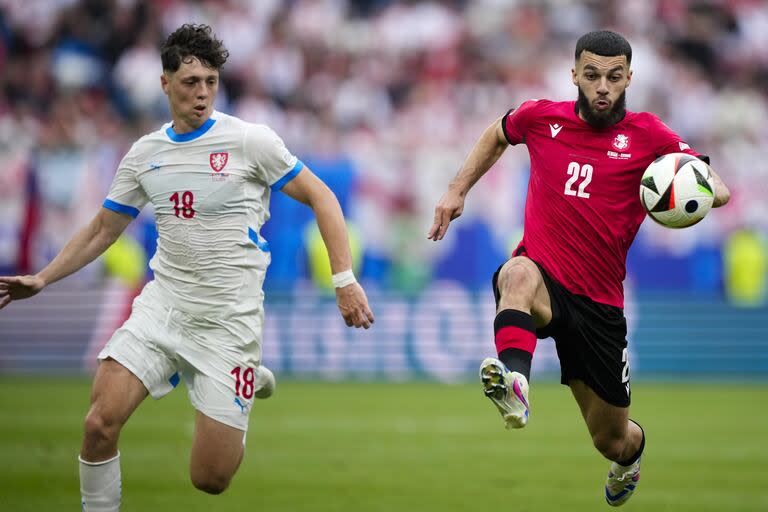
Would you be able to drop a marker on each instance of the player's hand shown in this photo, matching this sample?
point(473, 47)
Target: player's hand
point(353, 305)
point(722, 194)
point(450, 207)
point(18, 287)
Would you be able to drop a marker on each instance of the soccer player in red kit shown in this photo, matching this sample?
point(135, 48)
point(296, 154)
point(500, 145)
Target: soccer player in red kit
point(582, 213)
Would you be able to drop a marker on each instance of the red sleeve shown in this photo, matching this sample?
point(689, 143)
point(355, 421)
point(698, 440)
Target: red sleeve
point(515, 123)
point(666, 141)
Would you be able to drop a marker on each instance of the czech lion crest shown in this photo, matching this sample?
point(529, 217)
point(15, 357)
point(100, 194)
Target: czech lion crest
point(219, 160)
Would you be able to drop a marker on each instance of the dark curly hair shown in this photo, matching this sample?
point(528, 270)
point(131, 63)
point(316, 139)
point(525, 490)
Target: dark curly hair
point(192, 41)
point(605, 43)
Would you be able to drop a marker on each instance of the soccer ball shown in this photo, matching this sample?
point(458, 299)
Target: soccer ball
point(677, 190)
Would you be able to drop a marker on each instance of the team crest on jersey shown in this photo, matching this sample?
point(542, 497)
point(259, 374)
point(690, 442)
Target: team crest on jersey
point(621, 142)
point(219, 160)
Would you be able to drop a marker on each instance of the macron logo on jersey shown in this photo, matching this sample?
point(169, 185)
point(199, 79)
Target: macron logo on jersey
point(555, 129)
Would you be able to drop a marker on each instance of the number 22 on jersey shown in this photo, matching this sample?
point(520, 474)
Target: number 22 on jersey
point(576, 171)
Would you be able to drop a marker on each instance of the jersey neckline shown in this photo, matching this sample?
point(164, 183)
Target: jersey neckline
point(186, 137)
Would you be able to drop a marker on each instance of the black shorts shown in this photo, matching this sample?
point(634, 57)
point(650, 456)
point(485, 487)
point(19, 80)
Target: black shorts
point(590, 338)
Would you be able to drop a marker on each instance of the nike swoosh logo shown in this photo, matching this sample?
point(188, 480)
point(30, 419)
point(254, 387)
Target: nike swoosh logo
point(154, 167)
point(555, 129)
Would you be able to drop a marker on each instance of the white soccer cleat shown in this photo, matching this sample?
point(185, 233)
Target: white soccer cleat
point(507, 390)
point(621, 483)
point(266, 383)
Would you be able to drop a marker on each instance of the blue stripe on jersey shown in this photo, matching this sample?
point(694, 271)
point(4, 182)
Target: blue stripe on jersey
point(279, 184)
point(255, 238)
point(174, 380)
point(120, 208)
point(186, 137)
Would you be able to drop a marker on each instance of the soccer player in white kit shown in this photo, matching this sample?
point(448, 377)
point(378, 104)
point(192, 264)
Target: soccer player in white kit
point(209, 177)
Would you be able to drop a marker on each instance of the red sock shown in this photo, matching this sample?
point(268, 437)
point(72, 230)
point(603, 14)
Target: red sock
point(515, 340)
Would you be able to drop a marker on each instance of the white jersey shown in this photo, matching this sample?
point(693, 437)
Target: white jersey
point(210, 189)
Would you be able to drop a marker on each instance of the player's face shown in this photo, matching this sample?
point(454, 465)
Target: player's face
point(602, 82)
point(191, 90)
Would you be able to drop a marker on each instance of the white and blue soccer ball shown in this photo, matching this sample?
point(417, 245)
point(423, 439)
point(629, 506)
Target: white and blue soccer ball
point(677, 190)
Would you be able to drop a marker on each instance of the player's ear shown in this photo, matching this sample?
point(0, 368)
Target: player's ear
point(573, 77)
point(164, 82)
point(629, 78)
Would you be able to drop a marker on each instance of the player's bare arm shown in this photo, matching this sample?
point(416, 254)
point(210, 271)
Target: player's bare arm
point(83, 248)
point(484, 154)
point(310, 190)
point(722, 194)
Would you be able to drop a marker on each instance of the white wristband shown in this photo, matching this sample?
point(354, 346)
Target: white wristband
point(343, 279)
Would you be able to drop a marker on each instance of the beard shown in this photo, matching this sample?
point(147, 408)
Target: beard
point(606, 118)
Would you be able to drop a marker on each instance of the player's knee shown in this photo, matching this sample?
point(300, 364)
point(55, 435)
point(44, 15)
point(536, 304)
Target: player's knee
point(100, 429)
point(211, 486)
point(610, 446)
point(519, 277)
point(210, 482)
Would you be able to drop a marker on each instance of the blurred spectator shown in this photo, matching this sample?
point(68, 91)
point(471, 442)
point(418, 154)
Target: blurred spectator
point(746, 268)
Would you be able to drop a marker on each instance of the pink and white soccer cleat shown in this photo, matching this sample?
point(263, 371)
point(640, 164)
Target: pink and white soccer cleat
point(507, 390)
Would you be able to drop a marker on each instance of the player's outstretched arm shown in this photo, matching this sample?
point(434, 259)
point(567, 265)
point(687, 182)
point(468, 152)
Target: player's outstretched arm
point(484, 154)
point(722, 194)
point(310, 190)
point(82, 249)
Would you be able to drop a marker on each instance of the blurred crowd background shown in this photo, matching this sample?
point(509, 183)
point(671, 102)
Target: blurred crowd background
point(382, 99)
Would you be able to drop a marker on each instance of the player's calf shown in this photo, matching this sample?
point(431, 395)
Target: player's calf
point(624, 476)
point(624, 447)
point(610, 447)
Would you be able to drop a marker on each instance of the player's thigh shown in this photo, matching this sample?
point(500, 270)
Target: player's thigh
point(132, 364)
point(217, 450)
point(521, 286)
point(605, 421)
point(116, 391)
point(146, 343)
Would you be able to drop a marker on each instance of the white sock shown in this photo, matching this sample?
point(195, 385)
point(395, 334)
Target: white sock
point(100, 485)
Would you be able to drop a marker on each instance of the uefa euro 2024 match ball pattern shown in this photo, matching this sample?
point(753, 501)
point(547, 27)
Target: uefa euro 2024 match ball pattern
point(677, 190)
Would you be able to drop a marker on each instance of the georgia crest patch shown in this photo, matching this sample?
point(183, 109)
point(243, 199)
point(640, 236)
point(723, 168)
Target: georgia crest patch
point(621, 142)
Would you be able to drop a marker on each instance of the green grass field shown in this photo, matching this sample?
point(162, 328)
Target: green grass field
point(397, 447)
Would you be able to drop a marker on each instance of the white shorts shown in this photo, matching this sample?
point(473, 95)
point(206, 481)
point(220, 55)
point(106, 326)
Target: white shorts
point(217, 357)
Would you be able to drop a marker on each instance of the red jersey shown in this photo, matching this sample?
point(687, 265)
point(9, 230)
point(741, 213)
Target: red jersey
point(582, 210)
